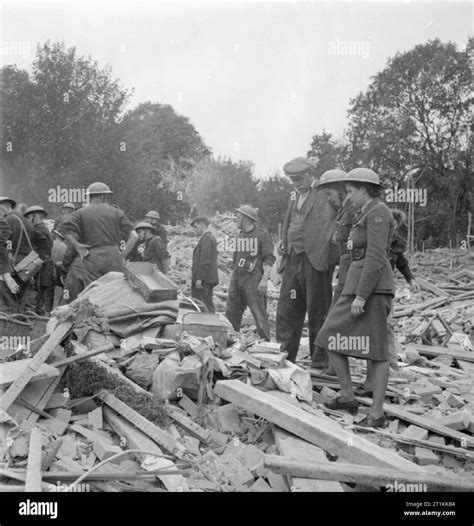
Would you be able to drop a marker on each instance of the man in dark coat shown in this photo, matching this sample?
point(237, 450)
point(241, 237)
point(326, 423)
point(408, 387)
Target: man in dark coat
point(8, 286)
point(309, 256)
point(204, 272)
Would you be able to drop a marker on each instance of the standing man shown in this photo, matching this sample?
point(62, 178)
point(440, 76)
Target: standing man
point(95, 232)
point(66, 209)
point(151, 248)
point(8, 286)
point(23, 238)
point(45, 277)
point(309, 257)
point(253, 261)
point(204, 272)
point(153, 217)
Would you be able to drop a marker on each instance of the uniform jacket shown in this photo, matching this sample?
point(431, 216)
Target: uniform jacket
point(344, 220)
point(44, 241)
point(5, 233)
point(36, 237)
point(97, 225)
point(318, 229)
point(372, 230)
point(262, 256)
point(205, 260)
point(155, 252)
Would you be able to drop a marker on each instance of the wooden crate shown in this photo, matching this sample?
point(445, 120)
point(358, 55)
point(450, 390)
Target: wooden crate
point(152, 284)
point(204, 324)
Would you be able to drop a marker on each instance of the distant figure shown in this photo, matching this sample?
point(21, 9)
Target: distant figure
point(150, 248)
point(397, 256)
point(204, 272)
point(153, 217)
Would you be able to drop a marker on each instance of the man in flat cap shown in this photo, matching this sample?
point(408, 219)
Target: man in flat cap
point(309, 255)
point(204, 272)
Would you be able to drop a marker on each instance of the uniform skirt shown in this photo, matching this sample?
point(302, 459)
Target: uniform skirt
point(364, 337)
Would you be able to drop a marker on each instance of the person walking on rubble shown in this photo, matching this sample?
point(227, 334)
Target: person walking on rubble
point(150, 247)
point(204, 275)
point(309, 257)
point(357, 324)
point(95, 232)
point(252, 264)
point(153, 217)
point(45, 277)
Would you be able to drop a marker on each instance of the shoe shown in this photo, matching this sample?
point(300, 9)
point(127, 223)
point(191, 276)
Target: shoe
point(352, 407)
point(370, 421)
point(363, 391)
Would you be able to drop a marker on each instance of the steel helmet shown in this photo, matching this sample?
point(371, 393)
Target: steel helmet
point(248, 211)
point(144, 224)
point(98, 188)
point(363, 175)
point(35, 209)
point(68, 205)
point(4, 199)
point(332, 176)
point(153, 214)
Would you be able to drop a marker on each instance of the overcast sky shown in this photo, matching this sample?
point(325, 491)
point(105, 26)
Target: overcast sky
point(257, 80)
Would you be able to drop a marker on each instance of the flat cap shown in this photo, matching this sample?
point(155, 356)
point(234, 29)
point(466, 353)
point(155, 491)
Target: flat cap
point(297, 166)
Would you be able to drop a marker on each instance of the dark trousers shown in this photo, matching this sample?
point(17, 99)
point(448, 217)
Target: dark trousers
point(12, 303)
point(204, 295)
point(242, 294)
point(303, 290)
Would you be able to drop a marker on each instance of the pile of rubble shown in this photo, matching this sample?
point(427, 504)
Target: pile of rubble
point(125, 395)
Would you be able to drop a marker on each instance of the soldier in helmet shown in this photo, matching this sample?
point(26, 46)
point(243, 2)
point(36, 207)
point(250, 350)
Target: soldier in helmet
point(357, 325)
point(8, 286)
point(45, 277)
point(96, 232)
point(151, 248)
point(253, 261)
point(309, 255)
point(153, 218)
point(66, 209)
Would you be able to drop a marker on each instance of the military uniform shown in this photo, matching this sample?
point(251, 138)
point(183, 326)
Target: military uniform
point(154, 251)
point(8, 301)
point(45, 277)
point(370, 277)
point(102, 227)
point(398, 260)
point(247, 274)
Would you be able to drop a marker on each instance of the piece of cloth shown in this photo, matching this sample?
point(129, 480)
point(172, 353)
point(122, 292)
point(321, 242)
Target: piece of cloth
point(303, 290)
point(372, 232)
point(205, 255)
point(364, 337)
point(318, 229)
point(242, 294)
point(205, 295)
point(97, 225)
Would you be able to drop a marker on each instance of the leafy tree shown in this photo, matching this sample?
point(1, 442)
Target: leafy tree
point(273, 196)
point(327, 152)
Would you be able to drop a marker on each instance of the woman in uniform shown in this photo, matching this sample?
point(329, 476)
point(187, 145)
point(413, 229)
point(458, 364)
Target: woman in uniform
point(357, 324)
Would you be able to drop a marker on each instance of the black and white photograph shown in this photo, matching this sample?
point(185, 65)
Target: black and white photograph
point(236, 257)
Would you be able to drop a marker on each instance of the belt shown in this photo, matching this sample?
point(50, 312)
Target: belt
point(246, 264)
point(357, 253)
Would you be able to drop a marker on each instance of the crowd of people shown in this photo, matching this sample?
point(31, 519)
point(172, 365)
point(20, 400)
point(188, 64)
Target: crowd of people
point(336, 220)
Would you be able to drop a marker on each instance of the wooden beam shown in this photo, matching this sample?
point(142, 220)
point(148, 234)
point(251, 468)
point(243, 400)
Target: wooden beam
point(33, 471)
point(135, 439)
point(162, 438)
point(429, 350)
point(320, 431)
point(293, 447)
point(83, 356)
point(11, 371)
point(20, 476)
point(189, 426)
point(425, 285)
point(426, 423)
point(40, 357)
point(371, 476)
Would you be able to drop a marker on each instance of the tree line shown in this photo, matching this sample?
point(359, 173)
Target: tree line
point(67, 123)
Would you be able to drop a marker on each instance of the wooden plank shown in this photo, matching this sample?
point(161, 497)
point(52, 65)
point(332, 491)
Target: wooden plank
point(320, 431)
point(40, 357)
point(425, 285)
point(371, 476)
point(11, 371)
point(426, 423)
point(429, 350)
point(293, 447)
point(33, 471)
point(20, 476)
point(189, 426)
point(135, 439)
point(88, 354)
point(162, 438)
